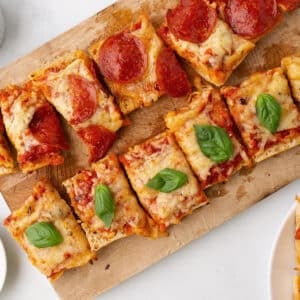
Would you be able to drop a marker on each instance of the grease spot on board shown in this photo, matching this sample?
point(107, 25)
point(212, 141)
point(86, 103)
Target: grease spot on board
point(216, 191)
point(249, 179)
point(245, 172)
point(241, 192)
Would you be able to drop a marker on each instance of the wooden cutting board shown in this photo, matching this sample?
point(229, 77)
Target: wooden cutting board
point(227, 200)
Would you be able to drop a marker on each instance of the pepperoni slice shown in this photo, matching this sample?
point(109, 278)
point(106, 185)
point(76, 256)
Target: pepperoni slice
point(251, 19)
point(122, 58)
point(171, 78)
point(192, 20)
point(288, 5)
point(99, 139)
point(46, 128)
point(84, 98)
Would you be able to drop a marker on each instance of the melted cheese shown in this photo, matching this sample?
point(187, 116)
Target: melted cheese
point(106, 113)
point(128, 214)
point(142, 92)
point(18, 106)
point(143, 162)
point(218, 56)
point(182, 122)
point(271, 82)
point(6, 160)
point(47, 206)
point(17, 114)
point(291, 65)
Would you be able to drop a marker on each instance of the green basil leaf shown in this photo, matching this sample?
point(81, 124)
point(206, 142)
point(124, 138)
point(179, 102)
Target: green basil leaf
point(167, 180)
point(43, 235)
point(214, 142)
point(104, 204)
point(268, 111)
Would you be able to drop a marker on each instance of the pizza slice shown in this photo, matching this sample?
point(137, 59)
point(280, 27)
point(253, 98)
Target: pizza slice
point(265, 114)
point(206, 123)
point(71, 86)
point(138, 68)
point(32, 126)
point(291, 66)
point(47, 230)
point(195, 32)
point(6, 160)
point(105, 184)
point(163, 180)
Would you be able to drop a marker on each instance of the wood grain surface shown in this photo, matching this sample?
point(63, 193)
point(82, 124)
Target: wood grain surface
point(227, 200)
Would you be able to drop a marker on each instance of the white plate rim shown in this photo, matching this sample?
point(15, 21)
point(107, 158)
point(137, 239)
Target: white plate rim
point(289, 214)
point(3, 263)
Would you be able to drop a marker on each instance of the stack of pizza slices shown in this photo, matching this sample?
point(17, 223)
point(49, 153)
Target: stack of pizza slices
point(217, 133)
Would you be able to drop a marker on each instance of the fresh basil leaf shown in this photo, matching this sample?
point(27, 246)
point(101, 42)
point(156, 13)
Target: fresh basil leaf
point(214, 142)
point(43, 235)
point(268, 111)
point(167, 180)
point(104, 204)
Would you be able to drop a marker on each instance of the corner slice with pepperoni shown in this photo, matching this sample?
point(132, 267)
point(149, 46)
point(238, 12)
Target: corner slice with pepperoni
point(6, 160)
point(71, 85)
point(33, 127)
point(137, 67)
point(194, 31)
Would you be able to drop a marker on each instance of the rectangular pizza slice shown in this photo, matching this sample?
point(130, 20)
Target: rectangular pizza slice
point(47, 230)
point(265, 114)
point(195, 32)
point(6, 159)
point(291, 66)
point(105, 204)
point(138, 68)
point(163, 180)
point(198, 128)
point(70, 84)
point(32, 126)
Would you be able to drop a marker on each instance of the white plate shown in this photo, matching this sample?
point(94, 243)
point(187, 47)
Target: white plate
point(281, 272)
point(3, 265)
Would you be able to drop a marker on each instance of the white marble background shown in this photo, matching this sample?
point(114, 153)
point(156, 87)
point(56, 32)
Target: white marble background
point(230, 263)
